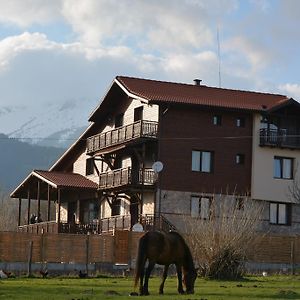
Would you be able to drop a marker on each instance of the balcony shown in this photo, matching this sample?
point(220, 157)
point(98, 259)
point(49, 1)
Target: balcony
point(120, 135)
point(279, 138)
point(126, 177)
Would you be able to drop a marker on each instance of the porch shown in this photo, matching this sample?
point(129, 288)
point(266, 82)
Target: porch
point(106, 225)
point(121, 135)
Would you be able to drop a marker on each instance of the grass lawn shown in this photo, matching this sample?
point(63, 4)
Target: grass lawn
point(273, 287)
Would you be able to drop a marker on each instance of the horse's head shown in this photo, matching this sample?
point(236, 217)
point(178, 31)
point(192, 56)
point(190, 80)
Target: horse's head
point(189, 278)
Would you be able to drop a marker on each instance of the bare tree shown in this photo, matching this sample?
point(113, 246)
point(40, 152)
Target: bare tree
point(294, 188)
point(220, 243)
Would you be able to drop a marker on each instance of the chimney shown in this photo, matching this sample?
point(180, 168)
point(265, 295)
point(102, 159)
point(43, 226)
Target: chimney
point(197, 81)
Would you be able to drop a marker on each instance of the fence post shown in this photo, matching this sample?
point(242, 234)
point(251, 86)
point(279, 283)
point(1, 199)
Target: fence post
point(87, 254)
point(292, 258)
point(29, 258)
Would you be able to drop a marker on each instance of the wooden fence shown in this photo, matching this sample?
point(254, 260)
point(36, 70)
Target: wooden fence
point(120, 248)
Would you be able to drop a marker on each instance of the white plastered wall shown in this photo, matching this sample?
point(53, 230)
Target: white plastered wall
point(263, 184)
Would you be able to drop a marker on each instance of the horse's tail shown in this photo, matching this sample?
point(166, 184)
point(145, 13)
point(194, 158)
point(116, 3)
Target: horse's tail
point(141, 259)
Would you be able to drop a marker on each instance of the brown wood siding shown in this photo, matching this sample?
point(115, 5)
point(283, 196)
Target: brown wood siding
point(184, 129)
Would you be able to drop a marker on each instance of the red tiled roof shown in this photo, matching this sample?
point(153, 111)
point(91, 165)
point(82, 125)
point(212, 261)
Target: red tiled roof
point(169, 92)
point(70, 180)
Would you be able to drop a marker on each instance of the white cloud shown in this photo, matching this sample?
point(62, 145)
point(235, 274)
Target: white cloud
point(291, 89)
point(256, 55)
point(24, 13)
point(12, 46)
point(149, 25)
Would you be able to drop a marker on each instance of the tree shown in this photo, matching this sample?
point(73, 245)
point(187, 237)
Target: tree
point(221, 242)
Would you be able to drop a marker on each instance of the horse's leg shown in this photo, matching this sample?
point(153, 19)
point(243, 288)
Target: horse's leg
point(142, 278)
point(179, 276)
point(165, 274)
point(147, 275)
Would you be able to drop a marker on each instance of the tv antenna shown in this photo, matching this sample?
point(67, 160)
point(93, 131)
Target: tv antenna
point(219, 56)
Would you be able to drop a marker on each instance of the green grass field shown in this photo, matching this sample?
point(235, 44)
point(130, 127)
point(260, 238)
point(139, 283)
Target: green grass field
point(273, 287)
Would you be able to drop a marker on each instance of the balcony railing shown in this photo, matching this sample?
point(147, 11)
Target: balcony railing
point(136, 130)
point(279, 138)
point(126, 176)
point(105, 225)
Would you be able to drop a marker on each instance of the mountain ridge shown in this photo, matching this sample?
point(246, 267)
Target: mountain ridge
point(18, 159)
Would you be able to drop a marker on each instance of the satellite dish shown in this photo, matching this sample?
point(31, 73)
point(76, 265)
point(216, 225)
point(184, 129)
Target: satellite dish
point(157, 166)
point(137, 227)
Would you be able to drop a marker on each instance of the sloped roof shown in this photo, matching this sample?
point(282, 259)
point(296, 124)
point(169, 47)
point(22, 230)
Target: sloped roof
point(56, 180)
point(168, 92)
point(66, 180)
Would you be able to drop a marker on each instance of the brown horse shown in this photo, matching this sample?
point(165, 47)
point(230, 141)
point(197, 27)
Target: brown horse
point(165, 249)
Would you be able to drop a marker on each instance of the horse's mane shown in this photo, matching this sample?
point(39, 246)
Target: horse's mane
point(189, 257)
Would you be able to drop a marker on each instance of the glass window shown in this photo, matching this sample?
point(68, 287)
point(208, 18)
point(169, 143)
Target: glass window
point(283, 167)
point(195, 207)
point(217, 120)
point(138, 113)
point(280, 213)
point(273, 213)
point(287, 168)
point(196, 160)
point(202, 161)
point(282, 216)
point(89, 167)
point(206, 162)
point(240, 159)
point(240, 122)
point(200, 207)
point(205, 208)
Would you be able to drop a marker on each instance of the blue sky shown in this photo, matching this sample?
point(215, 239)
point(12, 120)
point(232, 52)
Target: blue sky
point(59, 50)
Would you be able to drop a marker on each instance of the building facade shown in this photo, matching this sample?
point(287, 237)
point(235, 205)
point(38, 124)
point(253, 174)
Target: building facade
point(157, 153)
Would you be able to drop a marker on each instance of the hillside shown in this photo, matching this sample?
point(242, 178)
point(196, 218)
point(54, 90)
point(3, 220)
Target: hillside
point(18, 159)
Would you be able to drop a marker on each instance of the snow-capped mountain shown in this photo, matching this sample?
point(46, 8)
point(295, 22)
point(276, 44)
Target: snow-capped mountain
point(57, 125)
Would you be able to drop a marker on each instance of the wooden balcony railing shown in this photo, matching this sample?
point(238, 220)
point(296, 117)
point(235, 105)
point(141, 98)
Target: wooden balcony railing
point(40, 228)
point(98, 226)
point(136, 130)
point(279, 138)
point(105, 225)
point(126, 176)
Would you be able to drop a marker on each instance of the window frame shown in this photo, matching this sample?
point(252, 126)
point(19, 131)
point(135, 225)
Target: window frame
point(277, 206)
point(240, 122)
point(199, 206)
point(138, 113)
point(282, 171)
point(200, 165)
point(240, 159)
point(89, 167)
point(217, 120)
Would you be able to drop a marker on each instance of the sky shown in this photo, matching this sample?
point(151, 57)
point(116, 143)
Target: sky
point(61, 51)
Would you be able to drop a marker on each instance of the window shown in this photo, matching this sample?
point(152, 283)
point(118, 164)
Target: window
point(202, 161)
point(119, 120)
point(240, 122)
point(217, 120)
point(89, 167)
point(201, 207)
point(283, 167)
point(138, 113)
point(280, 213)
point(240, 159)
